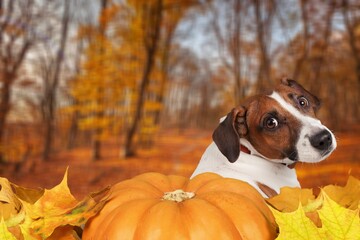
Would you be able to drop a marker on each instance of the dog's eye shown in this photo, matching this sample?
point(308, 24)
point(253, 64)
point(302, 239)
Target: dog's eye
point(303, 102)
point(271, 123)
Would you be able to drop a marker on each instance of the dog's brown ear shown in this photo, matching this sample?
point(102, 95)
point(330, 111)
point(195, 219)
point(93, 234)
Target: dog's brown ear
point(294, 84)
point(227, 135)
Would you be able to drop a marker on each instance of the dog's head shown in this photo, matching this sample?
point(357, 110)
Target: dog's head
point(280, 127)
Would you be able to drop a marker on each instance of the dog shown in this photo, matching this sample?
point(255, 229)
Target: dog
point(261, 140)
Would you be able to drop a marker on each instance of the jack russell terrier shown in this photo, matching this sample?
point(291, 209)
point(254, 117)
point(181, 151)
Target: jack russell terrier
point(261, 140)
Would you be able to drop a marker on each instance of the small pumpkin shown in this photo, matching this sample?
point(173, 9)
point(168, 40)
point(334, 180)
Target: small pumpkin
point(156, 206)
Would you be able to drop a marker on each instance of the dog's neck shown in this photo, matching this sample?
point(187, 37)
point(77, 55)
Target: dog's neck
point(250, 168)
point(244, 149)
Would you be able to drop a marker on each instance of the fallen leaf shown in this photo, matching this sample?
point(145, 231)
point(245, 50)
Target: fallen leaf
point(338, 221)
point(33, 214)
point(348, 196)
point(9, 204)
point(333, 215)
point(57, 207)
point(289, 198)
point(27, 194)
point(4, 232)
point(296, 225)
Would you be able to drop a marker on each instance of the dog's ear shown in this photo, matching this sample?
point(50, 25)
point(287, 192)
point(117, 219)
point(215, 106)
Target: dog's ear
point(227, 135)
point(294, 84)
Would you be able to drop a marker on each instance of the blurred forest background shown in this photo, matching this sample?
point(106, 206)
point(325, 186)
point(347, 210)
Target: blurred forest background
point(82, 79)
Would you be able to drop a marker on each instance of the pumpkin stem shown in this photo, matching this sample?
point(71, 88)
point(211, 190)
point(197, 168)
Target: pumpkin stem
point(178, 195)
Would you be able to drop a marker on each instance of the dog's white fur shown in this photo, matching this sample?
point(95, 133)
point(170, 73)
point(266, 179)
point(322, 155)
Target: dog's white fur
point(255, 168)
point(249, 168)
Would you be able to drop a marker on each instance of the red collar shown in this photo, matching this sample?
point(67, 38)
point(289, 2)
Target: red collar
point(244, 149)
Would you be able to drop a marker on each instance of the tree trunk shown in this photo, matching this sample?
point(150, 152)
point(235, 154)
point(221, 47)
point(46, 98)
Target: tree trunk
point(11, 65)
point(305, 51)
point(262, 25)
point(355, 50)
point(164, 72)
point(151, 44)
point(236, 50)
point(96, 148)
point(53, 84)
point(73, 130)
point(49, 126)
point(96, 144)
point(4, 109)
point(318, 61)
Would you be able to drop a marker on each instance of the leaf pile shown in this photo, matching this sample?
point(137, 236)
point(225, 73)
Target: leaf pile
point(42, 213)
point(334, 214)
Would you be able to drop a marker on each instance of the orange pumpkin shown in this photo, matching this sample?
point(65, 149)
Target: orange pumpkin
point(155, 206)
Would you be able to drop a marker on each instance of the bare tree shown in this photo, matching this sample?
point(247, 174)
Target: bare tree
point(305, 40)
point(264, 13)
point(18, 19)
point(352, 22)
point(320, 45)
point(351, 17)
point(51, 82)
point(227, 21)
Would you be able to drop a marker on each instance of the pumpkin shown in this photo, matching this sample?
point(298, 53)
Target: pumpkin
point(156, 206)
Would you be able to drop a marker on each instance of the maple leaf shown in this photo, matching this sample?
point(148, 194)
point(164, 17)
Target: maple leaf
point(296, 225)
point(348, 196)
point(10, 206)
point(289, 198)
point(339, 222)
point(4, 232)
point(334, 214)
point(27, 194)
point(57, 207)
point(34, 214)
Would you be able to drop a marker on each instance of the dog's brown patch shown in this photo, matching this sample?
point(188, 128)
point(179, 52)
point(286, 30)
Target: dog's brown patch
point(291, 91)
point(276, 143)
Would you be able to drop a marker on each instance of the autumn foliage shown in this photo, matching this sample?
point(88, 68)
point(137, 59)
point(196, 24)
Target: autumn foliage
point(163, 204)
point(43, 213)
point(333, 214)
point(126, 70)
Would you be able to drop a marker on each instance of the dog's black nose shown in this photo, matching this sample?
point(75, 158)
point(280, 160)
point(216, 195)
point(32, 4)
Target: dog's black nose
point(321, 140)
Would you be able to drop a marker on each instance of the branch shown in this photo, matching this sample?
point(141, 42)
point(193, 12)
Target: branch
point(21, 56)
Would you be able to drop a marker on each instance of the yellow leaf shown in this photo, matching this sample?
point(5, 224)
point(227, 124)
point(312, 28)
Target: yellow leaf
point(337, 221)
point(4, 232)
point(348, 196)
point(333, 215)
point(57, 207)
point(9, 204)
point(11, 209)
point(295, 225)
point(53, 201)
point(27, 194)
point(289, 198)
